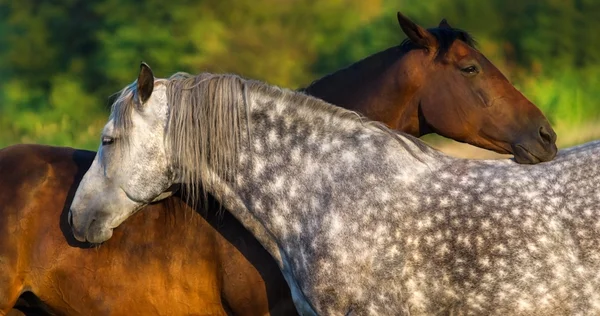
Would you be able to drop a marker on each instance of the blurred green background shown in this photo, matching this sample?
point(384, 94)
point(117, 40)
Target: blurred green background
point(61, 60)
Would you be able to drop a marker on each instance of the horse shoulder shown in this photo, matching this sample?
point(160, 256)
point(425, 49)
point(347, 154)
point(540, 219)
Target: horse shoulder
point(23, 168)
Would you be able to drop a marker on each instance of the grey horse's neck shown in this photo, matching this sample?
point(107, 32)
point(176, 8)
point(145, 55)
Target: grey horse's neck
point(359, 218)
point(303, 161)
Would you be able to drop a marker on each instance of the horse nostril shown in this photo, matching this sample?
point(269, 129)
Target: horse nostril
point(70, 218)
point(545, 136)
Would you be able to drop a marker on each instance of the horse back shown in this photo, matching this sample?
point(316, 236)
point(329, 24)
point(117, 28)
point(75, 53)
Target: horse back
point(33, 179)
point(25, 171)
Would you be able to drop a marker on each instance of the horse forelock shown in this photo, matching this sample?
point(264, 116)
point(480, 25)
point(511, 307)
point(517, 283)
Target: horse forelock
point(121, 109)
point(445, 38)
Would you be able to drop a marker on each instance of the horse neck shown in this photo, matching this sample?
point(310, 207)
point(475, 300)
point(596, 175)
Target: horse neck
point(373, 87)
point(294, 146)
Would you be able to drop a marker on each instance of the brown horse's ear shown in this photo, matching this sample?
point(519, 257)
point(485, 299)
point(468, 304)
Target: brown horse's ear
point(444, 24)
point(416, 33)
point(145, 83)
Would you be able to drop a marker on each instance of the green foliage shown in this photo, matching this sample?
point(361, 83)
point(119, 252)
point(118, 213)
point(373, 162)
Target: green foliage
point(60, 61)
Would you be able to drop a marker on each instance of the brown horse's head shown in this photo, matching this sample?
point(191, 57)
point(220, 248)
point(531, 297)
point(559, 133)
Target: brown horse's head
point(467, 98)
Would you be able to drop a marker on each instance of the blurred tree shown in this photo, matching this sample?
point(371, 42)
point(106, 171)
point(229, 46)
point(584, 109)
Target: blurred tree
point(61, 60)
point(269, 40)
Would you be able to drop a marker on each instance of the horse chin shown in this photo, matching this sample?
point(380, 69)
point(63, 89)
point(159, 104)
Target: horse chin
point(523, 156)
point(98, 234)
point(162, 196)
point(170, 191)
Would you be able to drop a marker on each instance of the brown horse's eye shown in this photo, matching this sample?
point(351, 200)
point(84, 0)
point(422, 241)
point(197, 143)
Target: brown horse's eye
point(107, 140)
point(470, 70)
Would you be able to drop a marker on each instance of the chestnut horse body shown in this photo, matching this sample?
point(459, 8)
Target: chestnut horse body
point(37, 182)
point(137, 273)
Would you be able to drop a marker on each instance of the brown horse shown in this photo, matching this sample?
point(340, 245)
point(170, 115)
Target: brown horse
point(39, 181)
point(146, 275)
point(437, 82)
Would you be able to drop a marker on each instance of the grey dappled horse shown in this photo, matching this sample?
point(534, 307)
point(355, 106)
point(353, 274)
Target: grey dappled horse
point(361, 220)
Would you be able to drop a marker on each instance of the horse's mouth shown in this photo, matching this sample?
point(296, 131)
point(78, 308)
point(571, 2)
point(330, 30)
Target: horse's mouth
point(524, 156)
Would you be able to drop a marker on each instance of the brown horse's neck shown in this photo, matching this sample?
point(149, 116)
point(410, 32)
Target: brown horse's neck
point(375, 87)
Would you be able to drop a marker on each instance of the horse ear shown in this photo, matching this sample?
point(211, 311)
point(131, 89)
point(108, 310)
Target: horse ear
point(145, 83)
point(416, 33)
point(444, 24)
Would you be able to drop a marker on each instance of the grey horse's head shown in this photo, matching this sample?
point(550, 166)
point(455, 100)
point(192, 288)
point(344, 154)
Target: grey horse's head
point(131, 168)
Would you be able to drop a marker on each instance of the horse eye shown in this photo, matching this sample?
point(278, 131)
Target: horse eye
point(107, 140)
point(470, 70)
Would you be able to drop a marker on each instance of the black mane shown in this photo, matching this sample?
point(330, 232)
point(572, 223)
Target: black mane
point(445, 38)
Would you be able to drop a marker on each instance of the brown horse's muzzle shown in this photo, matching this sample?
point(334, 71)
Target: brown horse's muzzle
point(539, 148)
